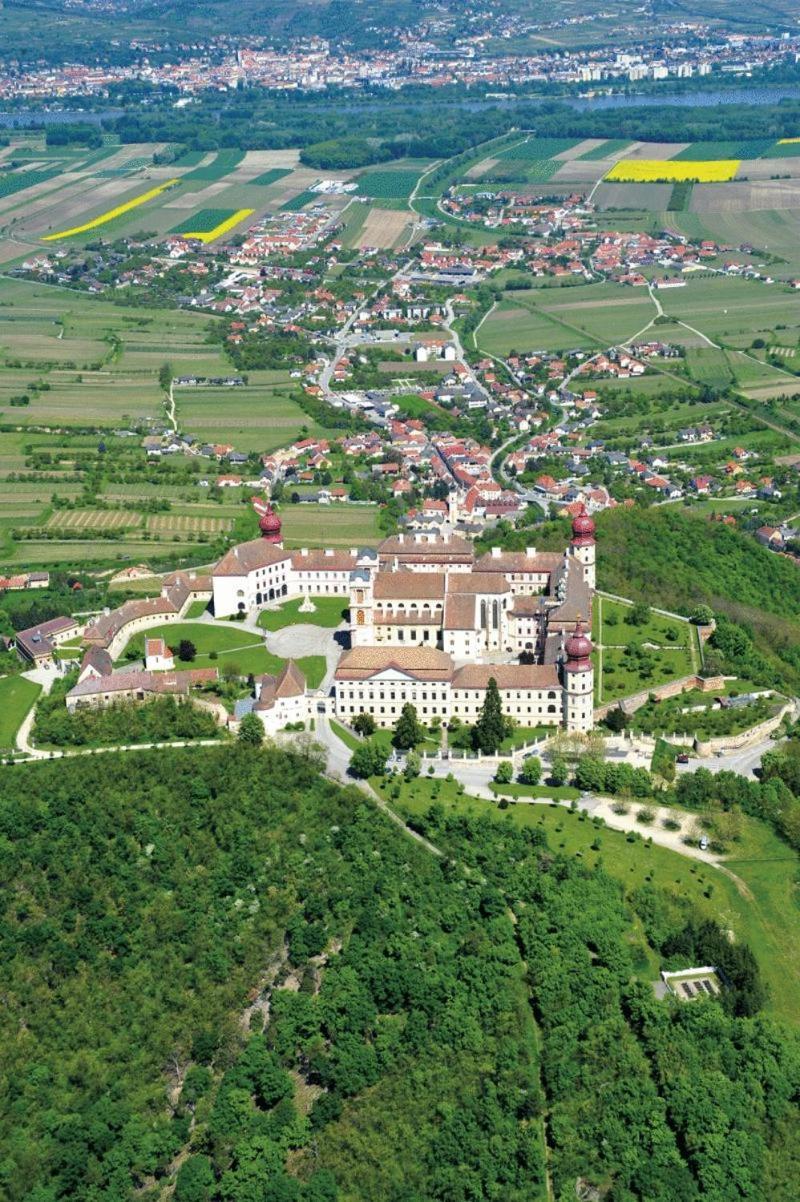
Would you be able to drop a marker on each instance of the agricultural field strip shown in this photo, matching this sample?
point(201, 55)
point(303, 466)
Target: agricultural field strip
point(117, 211)
point(672, 171)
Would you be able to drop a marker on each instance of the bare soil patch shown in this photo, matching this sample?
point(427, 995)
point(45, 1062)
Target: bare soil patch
point(741, 196)
point(383, 228)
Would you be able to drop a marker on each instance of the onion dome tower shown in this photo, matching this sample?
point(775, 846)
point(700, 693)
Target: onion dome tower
point(578, 681)
point(582, 545)
point(579, 650)
point(270, 526)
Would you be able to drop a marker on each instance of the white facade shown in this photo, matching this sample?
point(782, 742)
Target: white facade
point(532, 697)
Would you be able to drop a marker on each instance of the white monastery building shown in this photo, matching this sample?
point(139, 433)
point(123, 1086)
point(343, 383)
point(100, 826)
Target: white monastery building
point(431, 624)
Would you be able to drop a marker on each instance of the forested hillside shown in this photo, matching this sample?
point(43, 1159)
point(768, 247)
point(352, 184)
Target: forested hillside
point(675, 560)
point(148, 896)
point(158, 907)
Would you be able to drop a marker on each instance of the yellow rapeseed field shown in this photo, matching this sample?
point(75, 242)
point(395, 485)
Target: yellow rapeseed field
point(222, 228)
point(671, 171)
point(111, 213)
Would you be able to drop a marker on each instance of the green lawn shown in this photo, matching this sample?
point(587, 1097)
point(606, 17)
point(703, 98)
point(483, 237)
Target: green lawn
point(17, 695)
point(621, 675)
point(328, 611)
point(762, 910)
point(560, 792)
point(611, 626)
point(523, 734)
point(350, 740)
point(196, 609)
point(620, 679)
point(382, 736)
point(231, 646)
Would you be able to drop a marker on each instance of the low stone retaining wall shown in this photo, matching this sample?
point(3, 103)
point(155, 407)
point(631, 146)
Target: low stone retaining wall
point(756, 734)
point(706, 684)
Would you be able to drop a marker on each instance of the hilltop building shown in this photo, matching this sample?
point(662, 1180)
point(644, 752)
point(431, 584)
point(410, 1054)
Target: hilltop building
point(432, 624)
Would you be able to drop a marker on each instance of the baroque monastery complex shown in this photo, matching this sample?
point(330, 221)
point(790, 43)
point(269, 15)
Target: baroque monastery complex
point(430, 624)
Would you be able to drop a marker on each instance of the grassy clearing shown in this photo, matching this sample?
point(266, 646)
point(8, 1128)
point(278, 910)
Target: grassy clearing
point(17, 695)
point(536, 792)
point(762, 911)
point(611, 621)
point(631, 659)
point(350, 740)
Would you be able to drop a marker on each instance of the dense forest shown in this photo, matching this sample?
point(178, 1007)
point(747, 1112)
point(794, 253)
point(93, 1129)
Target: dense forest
point(429, 1018)
point(345, 130)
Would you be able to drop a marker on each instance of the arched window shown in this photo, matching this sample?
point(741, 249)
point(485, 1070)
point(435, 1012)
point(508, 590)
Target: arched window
point(483, 613)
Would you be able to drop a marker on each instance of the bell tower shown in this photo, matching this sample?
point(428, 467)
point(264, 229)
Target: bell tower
point(578, 681)
point(362, 622)
point(582, 546)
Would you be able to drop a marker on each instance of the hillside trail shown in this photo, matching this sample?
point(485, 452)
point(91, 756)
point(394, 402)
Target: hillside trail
point(170, 407)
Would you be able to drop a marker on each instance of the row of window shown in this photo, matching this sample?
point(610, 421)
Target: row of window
point(459, 711)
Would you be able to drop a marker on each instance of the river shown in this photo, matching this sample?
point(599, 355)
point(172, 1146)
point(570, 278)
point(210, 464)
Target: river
point(706, 98)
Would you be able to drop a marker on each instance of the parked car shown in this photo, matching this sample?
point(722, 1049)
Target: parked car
point(683, 758)
point(704, 842)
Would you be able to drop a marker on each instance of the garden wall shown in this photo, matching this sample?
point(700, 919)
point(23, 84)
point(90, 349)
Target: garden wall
point(754, 735)
point(706, 684)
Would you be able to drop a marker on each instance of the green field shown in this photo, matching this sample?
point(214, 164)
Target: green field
point(18, 181)
point(534, 149)
point(387, 184)
point(338, 525)
point(706, 152)
point(557, 319)
point(732, 310)
point(17, 695)
point(190, 158)
point(300, 201)
point(125, 168)
point(787, 150)
point(271, 176)
point(221, 165)
point(539, 171)
point(259, 417)
point(709, 365)
point(203, 222)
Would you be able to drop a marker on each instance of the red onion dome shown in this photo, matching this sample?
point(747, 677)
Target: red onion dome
point(583, 528)
point(579, 649)
point(270, 526)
